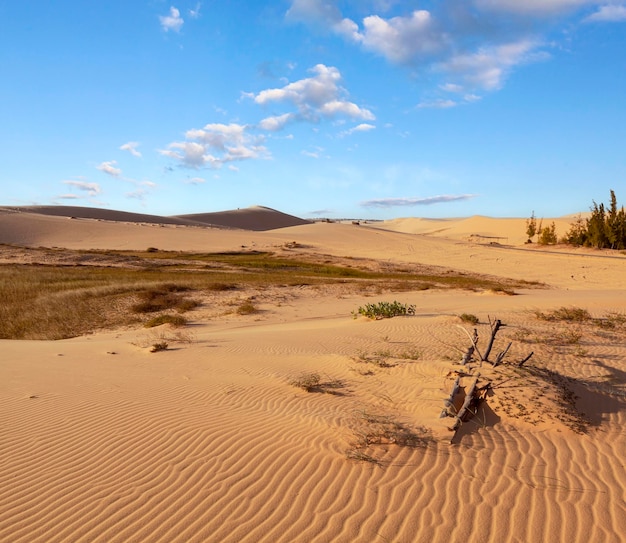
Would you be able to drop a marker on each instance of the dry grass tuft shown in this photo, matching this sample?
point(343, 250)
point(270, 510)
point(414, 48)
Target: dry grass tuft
point(313, 382)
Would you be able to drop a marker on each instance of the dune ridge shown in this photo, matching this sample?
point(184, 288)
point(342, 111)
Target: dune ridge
point(210, 441)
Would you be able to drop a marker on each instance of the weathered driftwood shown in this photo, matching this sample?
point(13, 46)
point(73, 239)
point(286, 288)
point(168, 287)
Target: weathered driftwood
point(502, 354)
point(524, 360)
point(495, 326)
point(470, 399)
point(449, 410)
point(467, 357)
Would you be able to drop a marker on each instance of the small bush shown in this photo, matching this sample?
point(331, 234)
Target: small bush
point(186, 304)
point(386, 310)
point(379, 358)
point(163, 297)
point(567, 314)
point(312, 382)
point(174, 320)
point(469, 318)
point(411, 354)
point(247, 308)
point(160, 346)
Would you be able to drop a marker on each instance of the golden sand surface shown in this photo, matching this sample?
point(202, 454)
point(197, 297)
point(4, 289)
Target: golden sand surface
point(102, 440)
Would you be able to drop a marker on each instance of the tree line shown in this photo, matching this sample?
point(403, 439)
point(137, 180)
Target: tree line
point(605, 228)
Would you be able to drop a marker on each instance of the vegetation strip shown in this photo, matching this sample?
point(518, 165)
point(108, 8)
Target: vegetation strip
point(91, 290)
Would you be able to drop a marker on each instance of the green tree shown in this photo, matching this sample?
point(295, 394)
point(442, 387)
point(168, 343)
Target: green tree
point(597, 228)
point(577, 233)
point(547, 235)
point(531, 227)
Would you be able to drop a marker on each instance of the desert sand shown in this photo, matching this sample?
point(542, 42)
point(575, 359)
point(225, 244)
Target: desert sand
point(210, 441)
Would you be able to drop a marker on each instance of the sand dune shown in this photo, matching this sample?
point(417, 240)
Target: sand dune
point(210, 441)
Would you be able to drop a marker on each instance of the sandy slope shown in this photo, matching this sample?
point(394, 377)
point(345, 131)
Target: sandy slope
point(104, 441)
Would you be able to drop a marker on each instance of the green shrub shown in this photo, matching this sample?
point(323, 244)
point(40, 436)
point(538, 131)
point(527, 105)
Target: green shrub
point(469, 318)
point(547, 235)
point(386, 310)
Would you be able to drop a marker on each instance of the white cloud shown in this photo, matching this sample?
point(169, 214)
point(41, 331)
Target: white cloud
point(404, 202)
point(363, 127)
point(277, 122)
point(451, 87)
point(215, 145)
point(131, 147)
point(608, 14)
point(109, 168)
point(173, 21)
point(195, 12)
point(68, 197)
point(479, 42)
point(403, 39)
point(488, 67)
point(189, 153)
point(438, 104)
point(92, 189)
point(316, 96)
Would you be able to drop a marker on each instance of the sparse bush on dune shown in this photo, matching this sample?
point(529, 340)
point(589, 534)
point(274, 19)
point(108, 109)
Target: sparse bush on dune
point(385, 310)
point(469, 318)
point(313, 382)
point(173, 320)
point(568, 314)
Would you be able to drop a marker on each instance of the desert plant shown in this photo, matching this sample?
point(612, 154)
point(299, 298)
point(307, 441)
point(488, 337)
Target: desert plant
point(547, 235)
point(159, 346)
point(174, 320)
point(531, 227)
point(312, 382)
point(386, 310)
point(409, 354)
point(160, 298)
point(469, 318)
point(567, 314)
point(378, 358)
point(247, 308)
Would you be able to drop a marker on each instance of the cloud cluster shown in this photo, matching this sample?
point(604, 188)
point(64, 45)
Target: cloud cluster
point(173, 21)
point(91, 189)
point(131, 147)
point(311, 99)
point(215, 145)
point(611, 13)
point(473, 44)
point(109, 168)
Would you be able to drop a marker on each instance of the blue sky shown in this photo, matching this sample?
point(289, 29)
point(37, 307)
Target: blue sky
point(319, 108)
